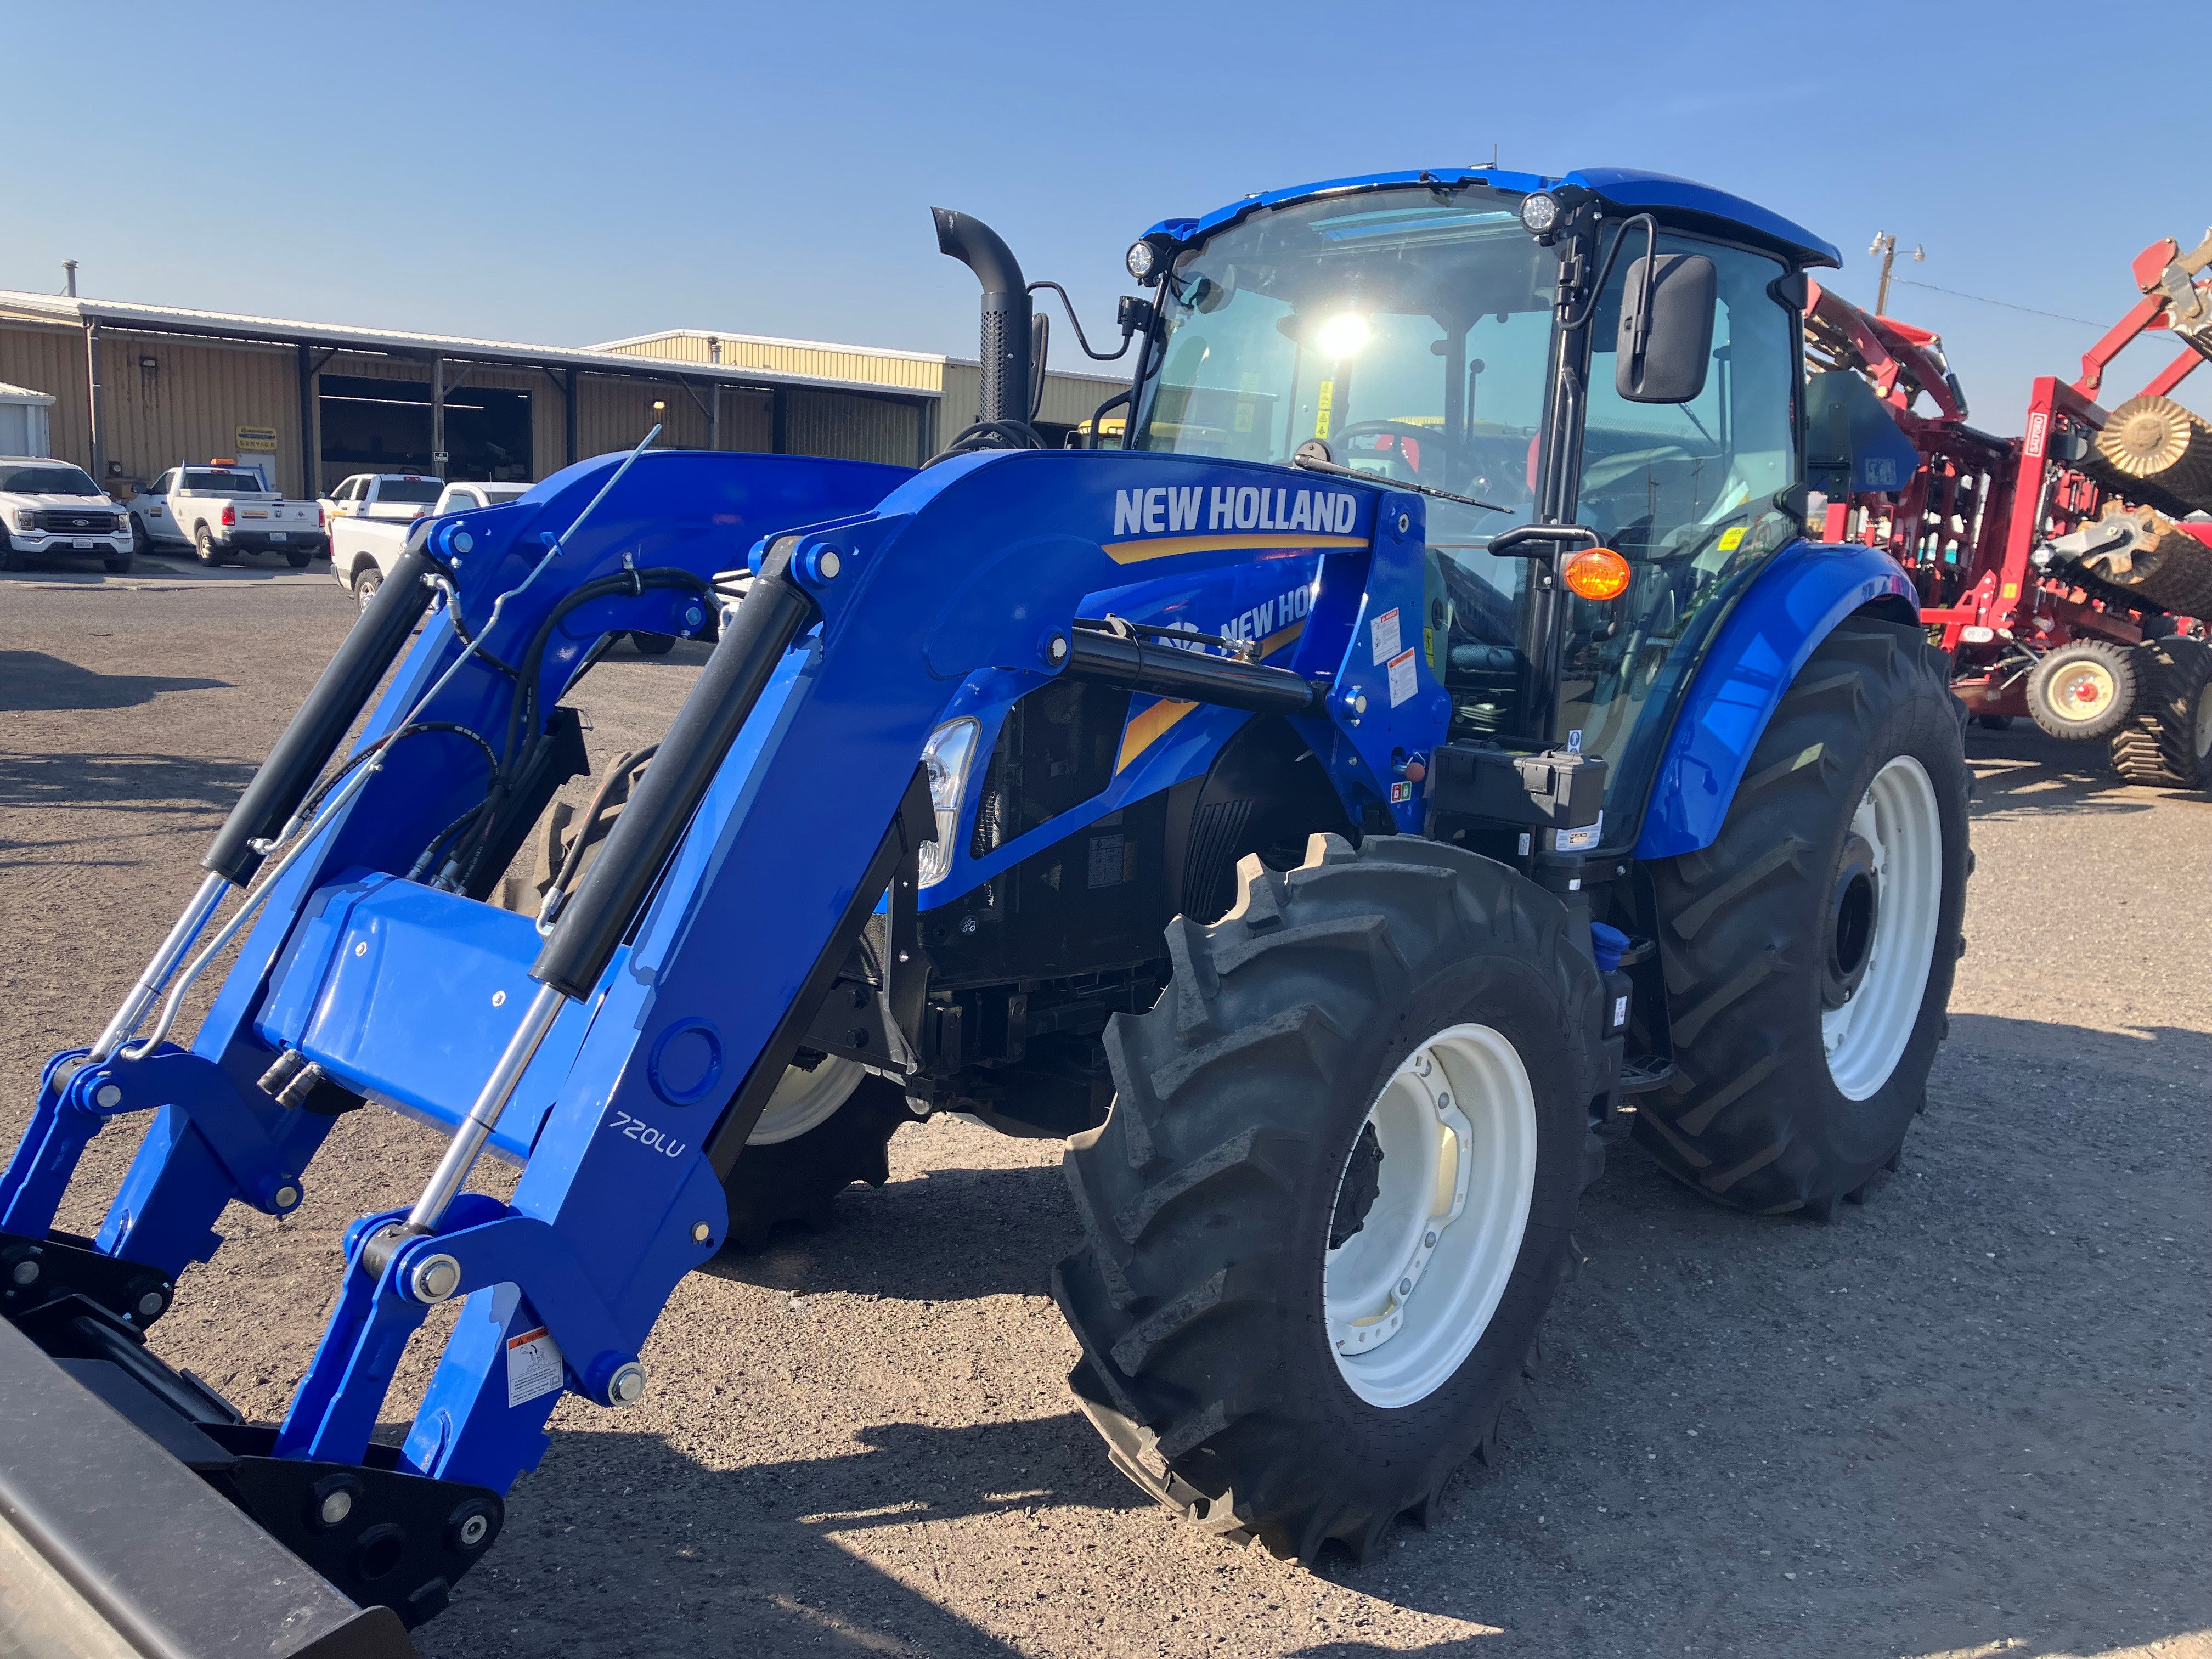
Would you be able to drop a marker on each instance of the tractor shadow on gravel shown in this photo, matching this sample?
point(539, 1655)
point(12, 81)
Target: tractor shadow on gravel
point(31, 682)
point(620, 1545)
point(900, 1242)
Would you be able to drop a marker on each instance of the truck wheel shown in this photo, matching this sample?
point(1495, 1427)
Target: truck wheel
point(822, 1131)
point(2084, 690)
point(298, 561)
point(140, 535)
point(365, 581)
point(205, 549)
point(2168, 744)
point(116, 563)
point(653, 645)
point(1809, 950)
point(1330, 1204)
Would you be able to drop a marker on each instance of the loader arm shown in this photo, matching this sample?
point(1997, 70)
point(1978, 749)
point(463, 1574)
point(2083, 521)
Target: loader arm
point(623, 1057)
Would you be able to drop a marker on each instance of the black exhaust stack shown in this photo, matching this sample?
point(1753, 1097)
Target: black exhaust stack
point(1007, 370)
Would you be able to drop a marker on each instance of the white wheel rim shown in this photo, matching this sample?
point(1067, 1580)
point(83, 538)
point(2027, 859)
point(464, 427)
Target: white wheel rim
point(1408, 1296)
point(805, 1100)
point(1865, 1038)
point(2081, 691)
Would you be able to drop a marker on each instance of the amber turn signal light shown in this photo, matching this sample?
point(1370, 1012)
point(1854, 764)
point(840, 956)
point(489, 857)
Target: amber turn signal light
point(1597, 573)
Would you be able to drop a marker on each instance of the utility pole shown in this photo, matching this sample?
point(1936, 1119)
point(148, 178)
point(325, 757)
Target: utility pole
point(1885, 244)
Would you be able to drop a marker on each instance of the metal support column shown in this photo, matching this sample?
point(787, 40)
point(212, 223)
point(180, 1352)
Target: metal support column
point(569, 418)
point(310, 451)
point(777, 420)
point(438, 416)
point(713, 414)
point(924, 422)
point(97, 405)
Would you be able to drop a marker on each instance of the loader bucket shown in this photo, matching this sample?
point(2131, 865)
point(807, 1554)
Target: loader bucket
point(111, 1547)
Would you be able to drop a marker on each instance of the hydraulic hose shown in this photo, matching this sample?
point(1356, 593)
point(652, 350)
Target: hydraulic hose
point(586, 930)
point(315, 732)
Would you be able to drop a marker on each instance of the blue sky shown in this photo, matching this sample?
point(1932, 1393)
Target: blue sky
point(569, 173)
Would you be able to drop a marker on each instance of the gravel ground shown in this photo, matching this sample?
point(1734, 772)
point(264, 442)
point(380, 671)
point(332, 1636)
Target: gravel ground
point(1966, 1419)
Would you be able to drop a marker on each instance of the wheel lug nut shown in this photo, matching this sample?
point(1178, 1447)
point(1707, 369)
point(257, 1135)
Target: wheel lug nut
point(1430, 1242)
point(1405, 1287)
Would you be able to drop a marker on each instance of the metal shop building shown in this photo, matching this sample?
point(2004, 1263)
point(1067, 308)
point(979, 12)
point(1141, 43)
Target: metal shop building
point(137, 388)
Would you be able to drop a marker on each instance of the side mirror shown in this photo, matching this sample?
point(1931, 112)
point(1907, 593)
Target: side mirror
point(1666, 338)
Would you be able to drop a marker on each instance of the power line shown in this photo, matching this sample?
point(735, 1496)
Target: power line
point(1979, 298)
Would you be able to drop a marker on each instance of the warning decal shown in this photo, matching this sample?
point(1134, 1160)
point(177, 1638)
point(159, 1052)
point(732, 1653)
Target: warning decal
point(1401, 676)
point(1384, 630)
point(533, 1366)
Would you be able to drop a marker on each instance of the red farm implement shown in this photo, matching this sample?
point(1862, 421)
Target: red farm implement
point(2068, 571)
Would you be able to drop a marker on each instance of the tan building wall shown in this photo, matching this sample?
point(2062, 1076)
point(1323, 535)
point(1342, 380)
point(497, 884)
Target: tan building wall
point(827, 362)
point(190, 402)
point(52, 361)
point(1069, 399)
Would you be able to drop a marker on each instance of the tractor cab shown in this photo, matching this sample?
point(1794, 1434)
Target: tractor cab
point(1462, 336)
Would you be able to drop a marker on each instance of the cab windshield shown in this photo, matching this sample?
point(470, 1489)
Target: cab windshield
point(1412, 331)
point(1408, 330)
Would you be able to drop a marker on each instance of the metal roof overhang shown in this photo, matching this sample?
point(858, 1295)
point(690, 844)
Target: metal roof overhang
point(421, 348)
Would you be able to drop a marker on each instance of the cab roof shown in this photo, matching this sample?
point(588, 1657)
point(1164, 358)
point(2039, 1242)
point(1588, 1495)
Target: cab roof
point(1683, 202)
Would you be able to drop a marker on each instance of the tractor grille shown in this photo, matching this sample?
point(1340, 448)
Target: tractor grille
point(69, 521)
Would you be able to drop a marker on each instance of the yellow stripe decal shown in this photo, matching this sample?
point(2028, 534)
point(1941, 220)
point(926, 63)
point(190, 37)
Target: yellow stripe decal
point(1166, 547)
point(1146, 729)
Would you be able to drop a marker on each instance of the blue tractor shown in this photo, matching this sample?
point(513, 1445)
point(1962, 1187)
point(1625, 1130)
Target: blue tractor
point(1426, 745)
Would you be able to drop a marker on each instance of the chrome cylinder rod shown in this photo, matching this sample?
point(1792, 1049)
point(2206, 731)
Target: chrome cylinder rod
point(476, 1128)
point(181, 938)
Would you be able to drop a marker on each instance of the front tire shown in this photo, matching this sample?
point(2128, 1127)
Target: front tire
point(1244, 1223)
point(821, 1132)
point(1809, 950)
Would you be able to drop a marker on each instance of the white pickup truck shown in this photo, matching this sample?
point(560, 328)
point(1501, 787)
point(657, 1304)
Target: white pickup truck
point(221, 510)
point(50, 506)
point(364, 548)
point(403, 495)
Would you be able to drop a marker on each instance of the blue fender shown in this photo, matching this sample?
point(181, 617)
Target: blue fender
point(1780, 620)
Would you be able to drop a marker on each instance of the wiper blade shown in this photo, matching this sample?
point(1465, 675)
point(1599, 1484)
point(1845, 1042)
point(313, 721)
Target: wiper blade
point(1314, 464)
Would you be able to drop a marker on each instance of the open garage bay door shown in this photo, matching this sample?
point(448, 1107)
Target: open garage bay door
point(384, 426)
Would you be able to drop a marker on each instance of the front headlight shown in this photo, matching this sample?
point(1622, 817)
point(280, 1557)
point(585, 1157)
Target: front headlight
point(27, 517)
point(945, 757)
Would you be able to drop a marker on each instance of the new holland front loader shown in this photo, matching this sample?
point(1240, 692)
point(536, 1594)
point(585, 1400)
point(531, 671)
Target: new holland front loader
point(1427, 745)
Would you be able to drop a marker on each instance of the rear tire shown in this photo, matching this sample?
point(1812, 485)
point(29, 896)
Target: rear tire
point(653, 645)
point(1809, 950)
point(2168, 744)
point(2083, 689)
point(205, 549)
point(1219, 1288)
point(365, 581)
